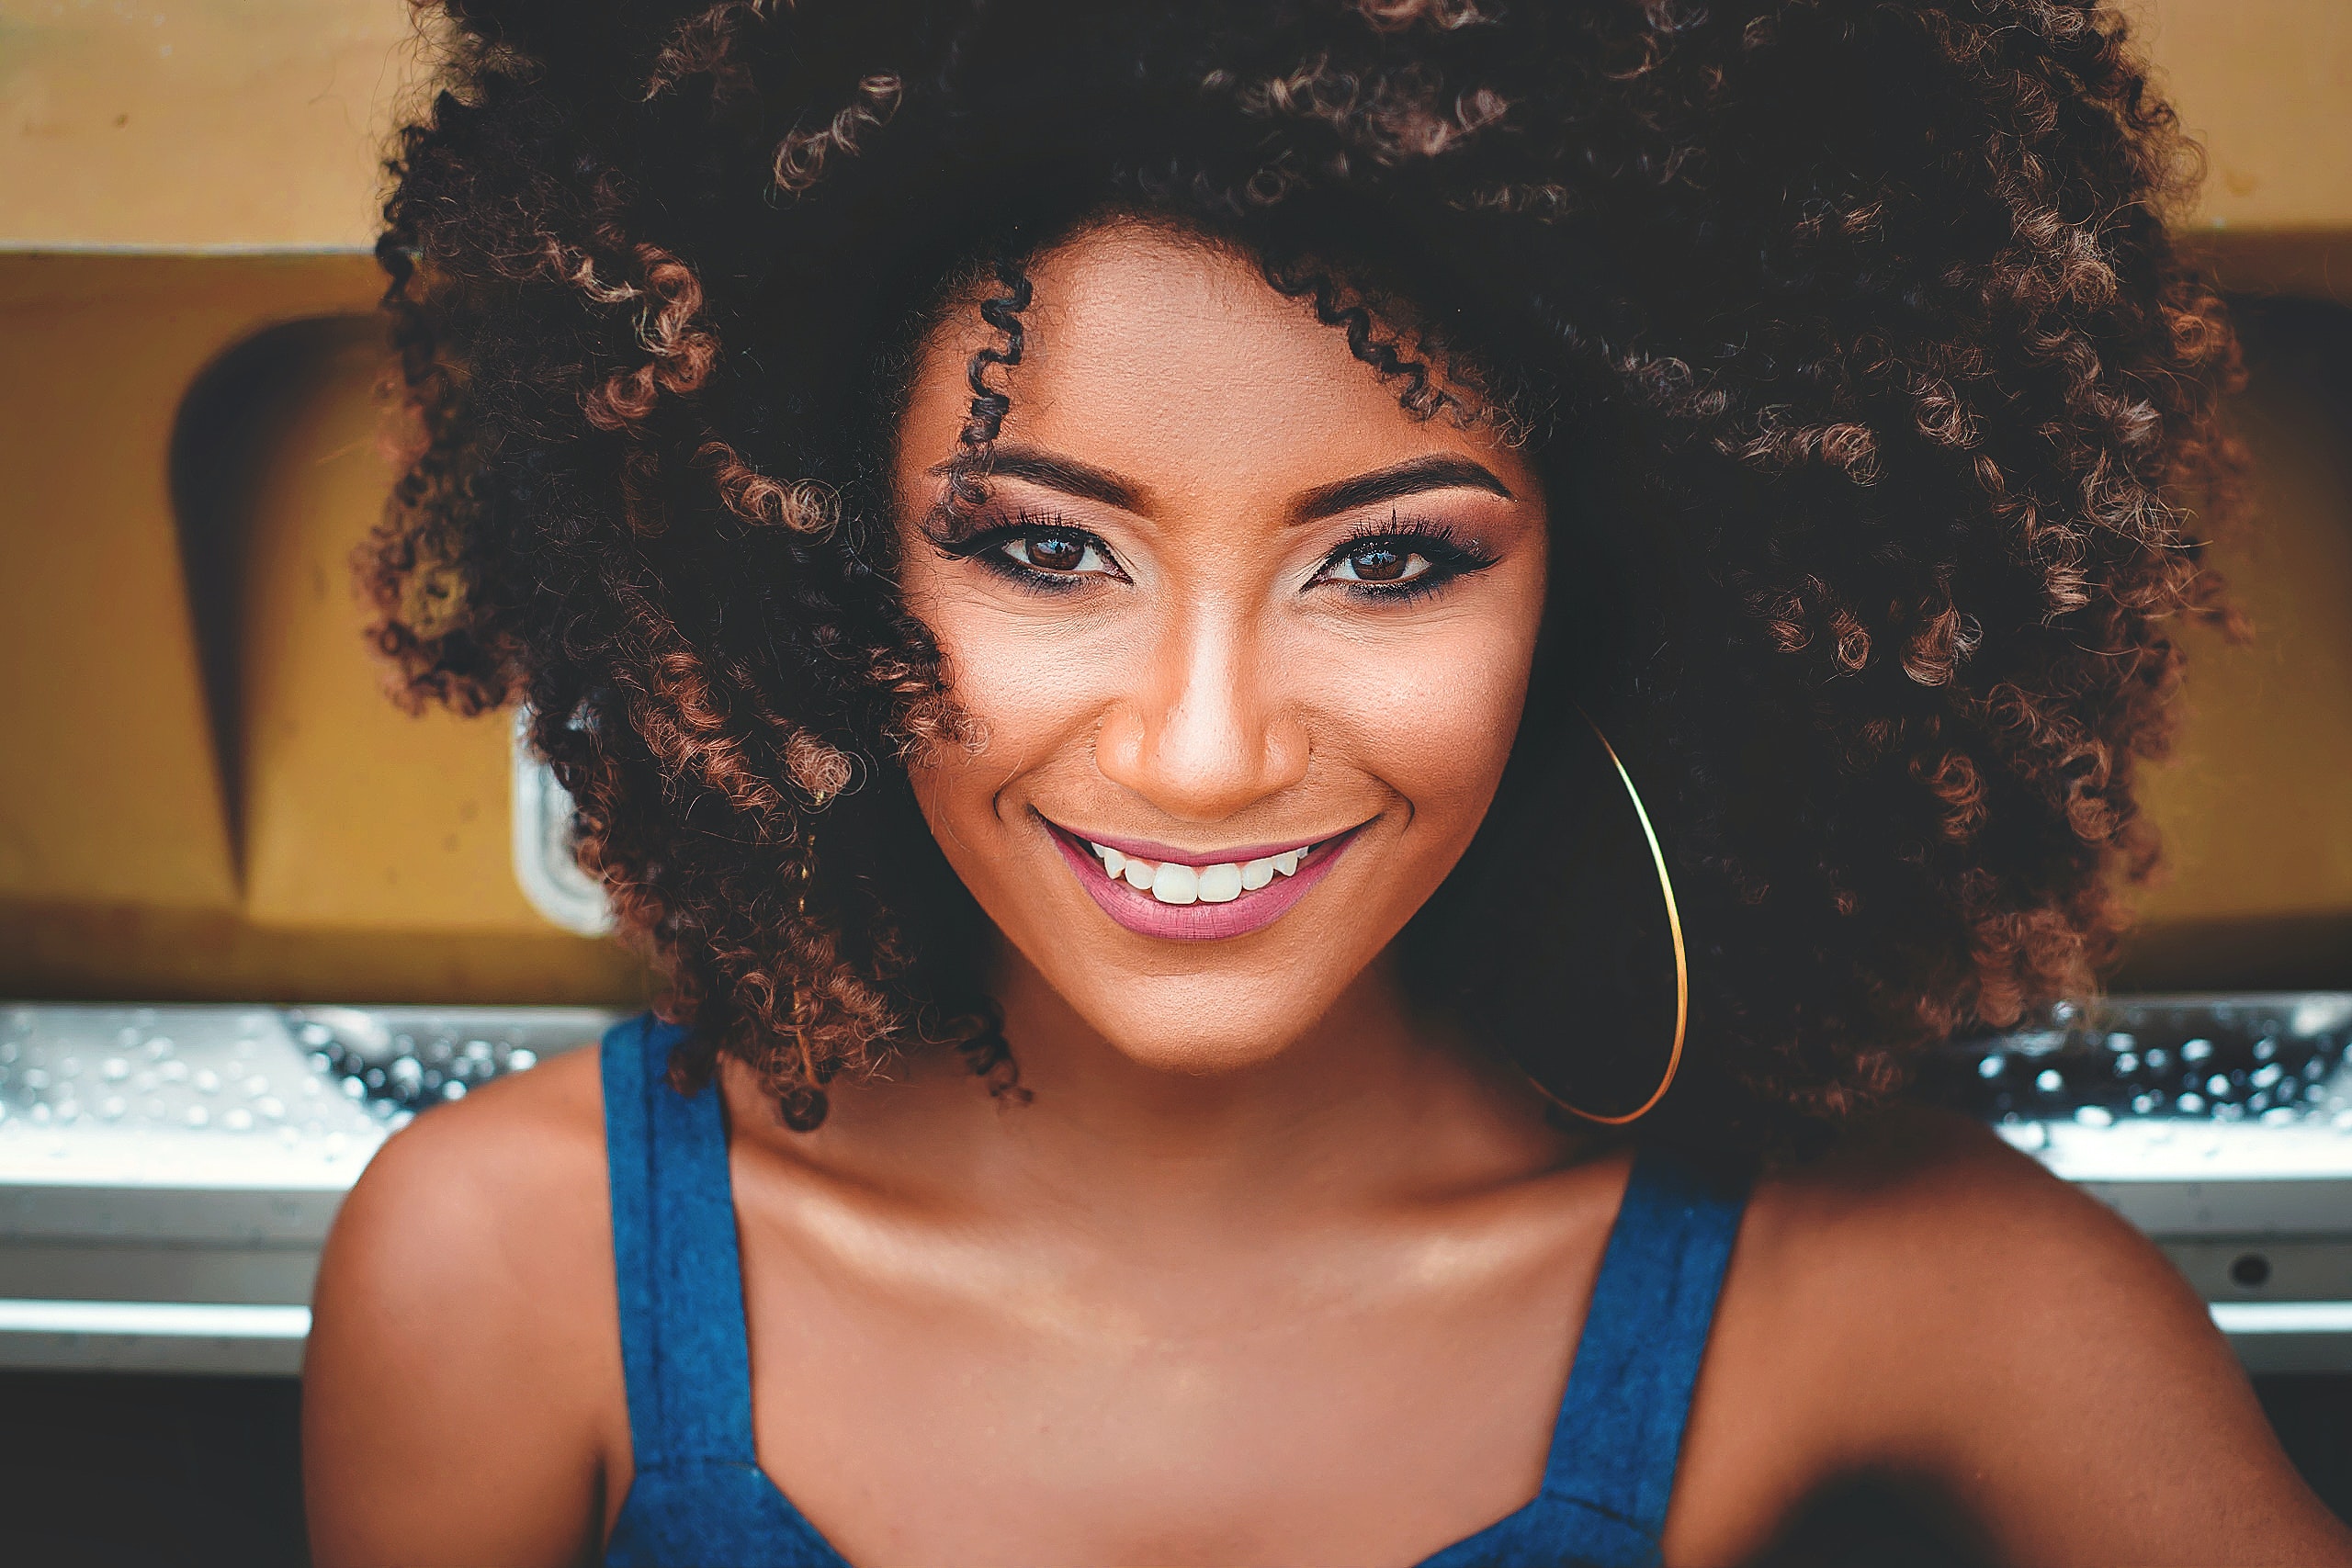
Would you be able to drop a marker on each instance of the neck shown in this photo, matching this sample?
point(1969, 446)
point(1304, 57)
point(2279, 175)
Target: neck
point(1368, 1107)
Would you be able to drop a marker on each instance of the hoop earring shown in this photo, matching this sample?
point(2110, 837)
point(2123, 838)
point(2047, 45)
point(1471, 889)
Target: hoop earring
point(1681, 957)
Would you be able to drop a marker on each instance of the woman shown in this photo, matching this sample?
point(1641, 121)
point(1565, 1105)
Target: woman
point(1310, 701)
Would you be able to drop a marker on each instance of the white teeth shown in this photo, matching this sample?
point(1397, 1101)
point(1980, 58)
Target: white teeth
point(1173, 883)
point(1176, 884)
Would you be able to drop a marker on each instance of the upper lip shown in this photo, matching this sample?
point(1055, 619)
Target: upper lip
point(1159, 853)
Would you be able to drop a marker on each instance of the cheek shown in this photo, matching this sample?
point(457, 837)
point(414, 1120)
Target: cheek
point(1436, 714)
point(1020, 684)
point(1439, 720)
point(1022, 692)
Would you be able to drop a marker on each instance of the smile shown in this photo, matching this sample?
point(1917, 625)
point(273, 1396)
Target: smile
point(1192, 898)
point(1173, 882)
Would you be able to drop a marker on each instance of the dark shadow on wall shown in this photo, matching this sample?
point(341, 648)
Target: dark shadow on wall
point(227, 440)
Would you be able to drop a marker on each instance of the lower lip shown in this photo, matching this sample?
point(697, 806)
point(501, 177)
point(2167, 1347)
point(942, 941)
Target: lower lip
point(1147, 916)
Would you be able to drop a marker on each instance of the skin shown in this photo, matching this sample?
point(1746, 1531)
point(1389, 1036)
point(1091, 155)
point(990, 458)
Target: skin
point(1267, 1270)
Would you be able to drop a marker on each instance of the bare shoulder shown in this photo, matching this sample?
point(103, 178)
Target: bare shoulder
point(1925, 1297)
point(528, 1136)
point(1932, 1244)
point(483, 1196)
point(465, 1336)
point(1931, 1200)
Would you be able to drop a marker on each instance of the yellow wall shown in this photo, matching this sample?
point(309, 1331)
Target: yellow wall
point(2256, 807)
point(177, 124)
point(287, 834)
point(93, 618)
point(258, 124)
point(298, 837)
point(2263, 84)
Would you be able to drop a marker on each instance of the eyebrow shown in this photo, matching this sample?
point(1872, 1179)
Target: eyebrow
point(1066, 475)
point(1410, 477)
point(1085, 481)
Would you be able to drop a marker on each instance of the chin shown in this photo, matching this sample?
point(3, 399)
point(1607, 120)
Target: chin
point(1201, 1023)
point(1231, 1044)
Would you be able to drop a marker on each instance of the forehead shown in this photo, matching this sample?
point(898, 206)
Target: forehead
point(1170, 360)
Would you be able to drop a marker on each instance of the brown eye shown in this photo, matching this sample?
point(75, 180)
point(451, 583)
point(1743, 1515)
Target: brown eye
point(1378, 560)
point(1055, 554)
point(1051, 553)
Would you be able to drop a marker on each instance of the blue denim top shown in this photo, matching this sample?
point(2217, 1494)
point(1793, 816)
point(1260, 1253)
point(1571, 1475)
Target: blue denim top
point(699, 1498)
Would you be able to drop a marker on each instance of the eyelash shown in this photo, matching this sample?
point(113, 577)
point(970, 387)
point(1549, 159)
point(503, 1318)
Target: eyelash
point(1449, 555)
point(985, 547)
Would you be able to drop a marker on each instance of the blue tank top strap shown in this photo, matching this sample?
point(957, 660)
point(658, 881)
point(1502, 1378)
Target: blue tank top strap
point(1620, 1436)
point(1609, 1474)
point(685, 1353)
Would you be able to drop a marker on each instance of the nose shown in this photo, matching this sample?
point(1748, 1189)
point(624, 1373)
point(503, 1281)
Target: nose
point(1207, 732)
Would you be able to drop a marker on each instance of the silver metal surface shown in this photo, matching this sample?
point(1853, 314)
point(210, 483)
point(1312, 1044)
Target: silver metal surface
point(235, 1338)
point(2289, 1336)
point(2221, 1127)
point(167, 1174)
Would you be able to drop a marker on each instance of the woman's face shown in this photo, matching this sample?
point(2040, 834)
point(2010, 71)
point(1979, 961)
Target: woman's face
point(1242, 643)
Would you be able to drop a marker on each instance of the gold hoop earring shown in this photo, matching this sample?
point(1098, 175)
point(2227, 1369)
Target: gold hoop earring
point(1681, 957)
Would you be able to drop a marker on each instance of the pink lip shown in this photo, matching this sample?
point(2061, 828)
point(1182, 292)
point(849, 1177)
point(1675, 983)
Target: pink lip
point(1146, 916)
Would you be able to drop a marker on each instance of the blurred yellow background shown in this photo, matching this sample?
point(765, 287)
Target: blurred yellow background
point(202, 796)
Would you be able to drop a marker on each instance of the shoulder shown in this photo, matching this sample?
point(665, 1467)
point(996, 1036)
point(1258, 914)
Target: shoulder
point(1925, 1298)
point(1886, 1284)
point(1933, 1201)
point(510, 1127)
point(465, 1336)
point(515, 1170)
point(1931, 1243)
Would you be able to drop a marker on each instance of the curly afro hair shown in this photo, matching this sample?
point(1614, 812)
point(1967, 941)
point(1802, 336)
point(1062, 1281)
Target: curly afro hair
point(1880, 412)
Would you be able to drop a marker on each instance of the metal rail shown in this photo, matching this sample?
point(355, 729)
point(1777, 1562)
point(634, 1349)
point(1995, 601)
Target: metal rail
point(167, 1174)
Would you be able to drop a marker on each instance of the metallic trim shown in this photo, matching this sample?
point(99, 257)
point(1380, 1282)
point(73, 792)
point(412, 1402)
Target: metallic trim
point(149, 1152)
point(178, 1320)
point(2288, 1337)
point(2283, 1317)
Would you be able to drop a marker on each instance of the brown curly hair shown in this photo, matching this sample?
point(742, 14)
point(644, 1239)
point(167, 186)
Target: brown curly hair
point(1880, 413)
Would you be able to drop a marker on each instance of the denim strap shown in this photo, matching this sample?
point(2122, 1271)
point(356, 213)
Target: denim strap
point(1620, 1436)
point(683, 1349)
